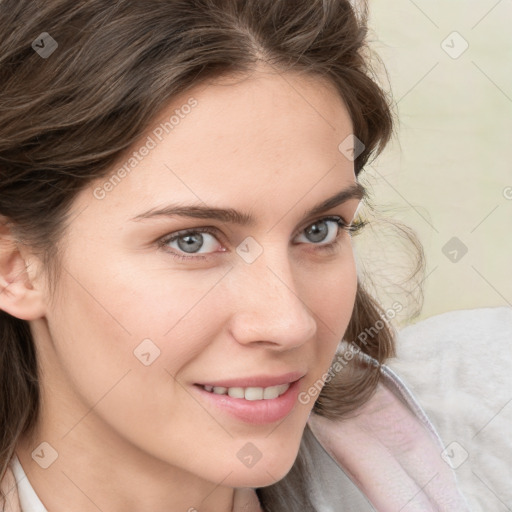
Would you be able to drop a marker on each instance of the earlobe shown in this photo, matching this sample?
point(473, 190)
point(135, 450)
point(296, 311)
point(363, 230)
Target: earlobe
point(19, 296)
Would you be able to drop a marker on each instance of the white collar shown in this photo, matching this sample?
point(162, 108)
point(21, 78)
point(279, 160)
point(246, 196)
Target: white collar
point(29, 501)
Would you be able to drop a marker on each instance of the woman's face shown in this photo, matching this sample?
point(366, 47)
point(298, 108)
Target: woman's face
point(149, 308)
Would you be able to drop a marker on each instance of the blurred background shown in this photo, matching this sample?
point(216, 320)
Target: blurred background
point(448, 172)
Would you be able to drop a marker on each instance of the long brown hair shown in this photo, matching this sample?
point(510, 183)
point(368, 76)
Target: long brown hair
point(67, 117)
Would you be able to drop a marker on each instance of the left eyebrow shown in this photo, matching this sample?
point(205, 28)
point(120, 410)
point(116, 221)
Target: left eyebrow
point(229, 215)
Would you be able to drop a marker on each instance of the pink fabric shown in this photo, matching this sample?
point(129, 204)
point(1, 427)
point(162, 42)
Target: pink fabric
point(391, 455)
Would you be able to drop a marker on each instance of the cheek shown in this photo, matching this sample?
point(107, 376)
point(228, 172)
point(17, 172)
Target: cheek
point(333, 298)
point(333, 292)
point(123, 333)
point(111, 363)
point(93, 345)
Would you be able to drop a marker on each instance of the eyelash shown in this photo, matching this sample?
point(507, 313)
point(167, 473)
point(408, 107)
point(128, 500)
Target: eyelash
point(353, 228)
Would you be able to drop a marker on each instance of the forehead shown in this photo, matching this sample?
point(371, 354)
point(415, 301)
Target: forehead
point(267, 137)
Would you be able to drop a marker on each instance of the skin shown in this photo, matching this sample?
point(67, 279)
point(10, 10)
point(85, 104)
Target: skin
point(266, 145)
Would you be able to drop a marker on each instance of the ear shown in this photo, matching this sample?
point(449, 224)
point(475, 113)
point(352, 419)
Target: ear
point(20, 293)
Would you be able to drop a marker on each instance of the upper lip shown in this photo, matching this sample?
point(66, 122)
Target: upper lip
point(258, 381)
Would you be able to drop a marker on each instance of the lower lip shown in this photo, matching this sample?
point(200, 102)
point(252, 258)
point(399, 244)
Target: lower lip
point(259, 412)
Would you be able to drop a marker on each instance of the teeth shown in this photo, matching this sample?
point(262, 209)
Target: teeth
point(250, 393)
point(235, 392)
point(275, 391)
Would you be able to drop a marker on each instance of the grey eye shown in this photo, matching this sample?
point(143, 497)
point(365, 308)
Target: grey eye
point(192, 242)
point(319, 231)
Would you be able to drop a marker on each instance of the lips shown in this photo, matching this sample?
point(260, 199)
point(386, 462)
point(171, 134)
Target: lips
point(256, 381)
point(251, 408)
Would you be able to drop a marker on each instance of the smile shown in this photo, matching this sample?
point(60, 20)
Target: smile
point(249, 393)
point(251, 404)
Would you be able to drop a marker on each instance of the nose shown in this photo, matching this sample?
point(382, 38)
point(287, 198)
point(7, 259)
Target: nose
point(268, 309)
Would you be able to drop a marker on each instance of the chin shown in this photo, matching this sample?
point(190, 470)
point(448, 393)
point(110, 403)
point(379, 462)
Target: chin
point(251, 478)
point(265, 472)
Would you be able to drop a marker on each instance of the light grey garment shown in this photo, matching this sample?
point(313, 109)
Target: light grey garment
point(459, 366)
point(330, 488)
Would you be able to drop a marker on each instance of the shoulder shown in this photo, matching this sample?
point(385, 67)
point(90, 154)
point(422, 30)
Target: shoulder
point(459, 367)
point(465, 352)
point(489, 324)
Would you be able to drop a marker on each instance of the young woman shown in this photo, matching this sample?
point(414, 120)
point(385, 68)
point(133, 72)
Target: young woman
point(183, 327)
